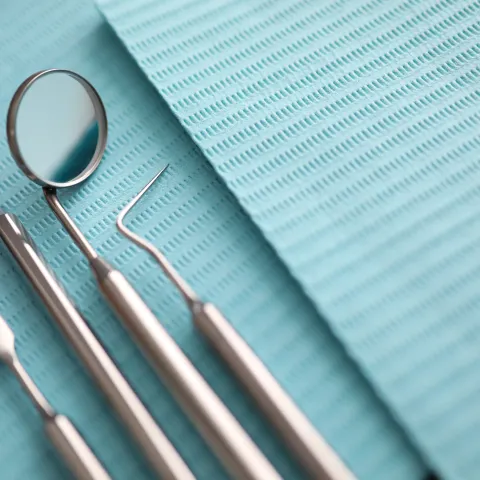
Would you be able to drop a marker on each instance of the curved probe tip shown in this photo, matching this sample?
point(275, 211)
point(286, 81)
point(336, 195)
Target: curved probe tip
point(124, 212)
point(189, 295)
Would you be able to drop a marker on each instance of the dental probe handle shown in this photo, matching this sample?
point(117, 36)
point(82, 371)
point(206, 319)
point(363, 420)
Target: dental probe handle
point(163, 456)
point(315, 454)
point(235, 449)
point(72, 447)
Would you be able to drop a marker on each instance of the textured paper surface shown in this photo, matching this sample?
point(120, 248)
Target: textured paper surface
point(201, 228)
point(349, 131)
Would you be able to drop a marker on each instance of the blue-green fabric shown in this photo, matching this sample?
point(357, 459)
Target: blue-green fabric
point(349, 132)
point(202, 229)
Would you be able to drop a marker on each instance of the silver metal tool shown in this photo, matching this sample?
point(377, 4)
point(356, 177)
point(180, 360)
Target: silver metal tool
point(315, 454)
point(69, 443)
point(64, 150)
point(163, 456)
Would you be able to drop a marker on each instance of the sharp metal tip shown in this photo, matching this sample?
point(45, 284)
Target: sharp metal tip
point(187, 292)
point(149, 184)
point(123, 213)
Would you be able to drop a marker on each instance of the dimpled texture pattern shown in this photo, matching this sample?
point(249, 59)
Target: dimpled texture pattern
point(349, 131)
point(199, 225)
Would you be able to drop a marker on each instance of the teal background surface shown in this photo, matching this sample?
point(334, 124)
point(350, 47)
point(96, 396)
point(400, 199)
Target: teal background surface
point(200, 226)
point(350, 133)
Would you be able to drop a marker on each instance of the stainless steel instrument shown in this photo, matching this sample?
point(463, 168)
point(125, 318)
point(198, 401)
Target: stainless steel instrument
point(162, 455)
point(69, 443)
point(69, 159)
point(315, 454)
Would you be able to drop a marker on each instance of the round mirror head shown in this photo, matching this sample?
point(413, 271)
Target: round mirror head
point(57, 128)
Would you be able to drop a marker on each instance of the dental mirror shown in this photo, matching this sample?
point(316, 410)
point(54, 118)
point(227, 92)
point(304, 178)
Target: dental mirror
point(57, 133)
point(57, 128)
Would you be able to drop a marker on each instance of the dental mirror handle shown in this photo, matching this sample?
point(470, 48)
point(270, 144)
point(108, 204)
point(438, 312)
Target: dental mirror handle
point(298, 433)
point(237, 451)
point(163, 456)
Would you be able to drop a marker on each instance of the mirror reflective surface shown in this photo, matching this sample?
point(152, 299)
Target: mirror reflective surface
point(56, 128)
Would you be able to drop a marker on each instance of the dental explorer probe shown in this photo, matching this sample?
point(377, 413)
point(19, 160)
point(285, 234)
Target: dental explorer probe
point(311, 449)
